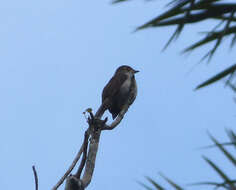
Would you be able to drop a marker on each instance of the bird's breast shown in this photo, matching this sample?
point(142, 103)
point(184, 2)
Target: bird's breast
point(126, 86)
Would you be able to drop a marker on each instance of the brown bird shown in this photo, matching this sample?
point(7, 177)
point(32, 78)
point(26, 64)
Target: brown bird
point(119, 91)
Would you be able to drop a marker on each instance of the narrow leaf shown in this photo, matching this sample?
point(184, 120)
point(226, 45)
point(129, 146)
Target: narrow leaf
point(211, 36)
point(233, 87)
point(232, 136)
point(233, 41)
point(171, 183)
point(170, 13)
point(206, 183)
point(226, 153)
point(156, 185)
point(217, 169)
point(218, 76)
point(145, 186)
point(118, 1)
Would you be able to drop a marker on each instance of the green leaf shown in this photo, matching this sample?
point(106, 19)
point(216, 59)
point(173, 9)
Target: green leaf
point(170, 13)
point(211, 36)
point(156, 185)
point(209, 11)
point(218, 170)
point(226, 153)
point(233, 87)
point(207, 183)
point(218, 76)
point(232, 136)
point(171, 183)
point(182, 12)
point(145, 186)
point(118, 1)
point(233, 41)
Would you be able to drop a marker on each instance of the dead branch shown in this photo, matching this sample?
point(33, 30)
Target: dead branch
point(82, 164)
point(69, 169)
point(93, 148)
point(117, 120)
point(35, 178)
point(96, 125)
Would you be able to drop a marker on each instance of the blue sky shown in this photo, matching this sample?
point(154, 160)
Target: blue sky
point(56, 57)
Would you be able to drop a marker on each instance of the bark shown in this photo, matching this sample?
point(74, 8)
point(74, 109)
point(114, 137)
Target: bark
point(91, 140)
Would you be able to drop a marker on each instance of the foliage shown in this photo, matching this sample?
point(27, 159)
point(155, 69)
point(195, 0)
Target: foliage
point(226, 182)
point(187, 12)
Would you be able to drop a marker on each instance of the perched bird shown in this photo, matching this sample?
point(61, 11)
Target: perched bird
point(119, 91)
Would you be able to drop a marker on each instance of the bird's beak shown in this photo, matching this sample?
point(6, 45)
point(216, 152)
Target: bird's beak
point(136, 71)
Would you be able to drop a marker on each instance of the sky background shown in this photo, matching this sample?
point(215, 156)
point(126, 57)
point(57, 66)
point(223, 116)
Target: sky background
point(55, 58)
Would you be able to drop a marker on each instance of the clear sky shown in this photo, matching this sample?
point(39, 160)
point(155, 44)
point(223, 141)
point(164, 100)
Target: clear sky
point(55, 58)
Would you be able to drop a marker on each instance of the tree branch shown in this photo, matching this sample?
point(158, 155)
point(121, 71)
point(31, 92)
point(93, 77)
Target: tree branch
point(70, 168)
point(82, 164)
point(96, 125)
point(90, 162)
point(35, 178)
point(117, 120)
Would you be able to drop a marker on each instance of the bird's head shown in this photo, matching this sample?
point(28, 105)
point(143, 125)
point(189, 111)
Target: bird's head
point(126, 70)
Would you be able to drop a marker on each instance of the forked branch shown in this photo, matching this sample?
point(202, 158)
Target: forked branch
point(91, 140)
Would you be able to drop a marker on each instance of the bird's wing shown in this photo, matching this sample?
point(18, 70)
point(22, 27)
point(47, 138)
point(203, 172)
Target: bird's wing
point(113, 86)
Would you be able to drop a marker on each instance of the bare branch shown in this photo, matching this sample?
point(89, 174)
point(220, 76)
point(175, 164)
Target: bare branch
point(82, 164)
point(99, 125)
point(35, 178)
point(70, 168)
point(117, 120)
point(96, 125)
point(91, 158)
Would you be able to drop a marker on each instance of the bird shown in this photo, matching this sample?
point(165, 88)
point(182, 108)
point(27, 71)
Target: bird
point(119, 91)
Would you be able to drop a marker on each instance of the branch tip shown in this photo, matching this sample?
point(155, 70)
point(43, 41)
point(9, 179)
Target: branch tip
point(35, 177)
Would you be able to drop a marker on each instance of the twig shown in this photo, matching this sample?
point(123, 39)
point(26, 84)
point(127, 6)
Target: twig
point(117, 120)
point(91, 157)
point(96, 125)
point(82, 164)
point(35, 178)
point(70, 168)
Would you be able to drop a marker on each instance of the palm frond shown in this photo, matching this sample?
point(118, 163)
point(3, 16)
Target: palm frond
point(145, 186)
point(173, 184)
point(155, 184)
point(225, 178)
point(118, 1)
point(225, 152)
point(218, 76)
point(181, 13)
